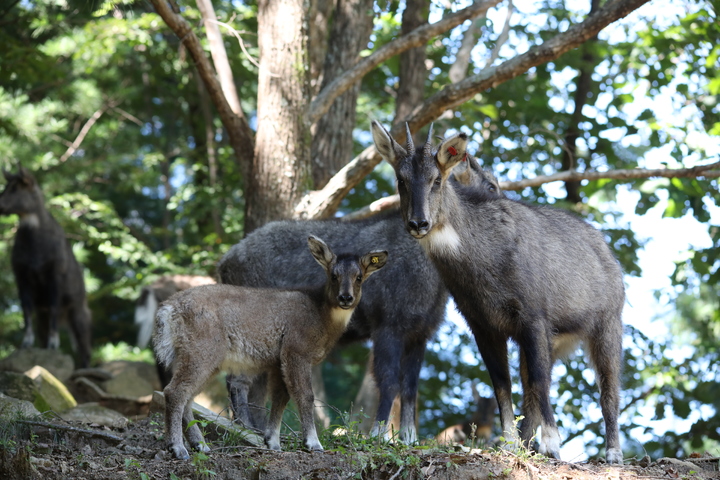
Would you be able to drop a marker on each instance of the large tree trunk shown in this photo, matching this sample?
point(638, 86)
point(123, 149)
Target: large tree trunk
point(413, 72)
point(320, 12)
point(333, 141)
point(280, 173)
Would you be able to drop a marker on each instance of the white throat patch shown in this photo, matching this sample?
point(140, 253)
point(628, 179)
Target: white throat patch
point(341, 316)
point(443, 240)
point(30, 220)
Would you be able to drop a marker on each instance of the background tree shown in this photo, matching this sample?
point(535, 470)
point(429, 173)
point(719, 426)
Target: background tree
point(125, 110)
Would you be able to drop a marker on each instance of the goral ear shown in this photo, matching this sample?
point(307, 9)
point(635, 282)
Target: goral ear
point(386, 146)
point(322, 253)
point(373, 261)
point(451, 151)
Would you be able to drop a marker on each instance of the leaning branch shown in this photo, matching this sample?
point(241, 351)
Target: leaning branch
point(711, 170)
point(67, 428)
point(237, 127)
point(219, 55)
point(416, 38)
point(84, 131)
point(455, 94)
point(322, 203)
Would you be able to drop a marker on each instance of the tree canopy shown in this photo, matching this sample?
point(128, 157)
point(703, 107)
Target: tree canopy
point(161, 132)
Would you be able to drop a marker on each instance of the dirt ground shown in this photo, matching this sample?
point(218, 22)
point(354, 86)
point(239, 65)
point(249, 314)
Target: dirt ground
point(60, 450)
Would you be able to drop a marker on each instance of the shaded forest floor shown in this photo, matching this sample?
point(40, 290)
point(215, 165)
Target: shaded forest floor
point(60, 450)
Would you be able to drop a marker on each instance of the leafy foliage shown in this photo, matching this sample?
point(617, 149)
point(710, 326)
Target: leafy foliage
point(103, 103)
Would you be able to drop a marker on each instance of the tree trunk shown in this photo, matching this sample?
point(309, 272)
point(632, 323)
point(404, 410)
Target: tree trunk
point(333, 141)
point(320, 11)
point(583, 85)
point(280, 172)
point(413, 72)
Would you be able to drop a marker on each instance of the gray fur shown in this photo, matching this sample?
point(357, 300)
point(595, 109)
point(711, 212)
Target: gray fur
point(154, 294)
point(399, 329)
point(283, 333)
point(49, 279)
point(539, 276)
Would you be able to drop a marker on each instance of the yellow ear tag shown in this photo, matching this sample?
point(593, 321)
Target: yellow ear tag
point(374, 259)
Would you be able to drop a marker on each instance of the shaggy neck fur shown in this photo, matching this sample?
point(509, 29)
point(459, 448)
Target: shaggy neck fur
point(442, 240)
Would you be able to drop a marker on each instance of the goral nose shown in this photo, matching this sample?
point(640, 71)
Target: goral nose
point(418, 225)
point(345, 299)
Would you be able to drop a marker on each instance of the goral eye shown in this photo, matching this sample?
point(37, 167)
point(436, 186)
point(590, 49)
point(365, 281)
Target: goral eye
point(359, 278)
point(334, 277)
point(438, 180)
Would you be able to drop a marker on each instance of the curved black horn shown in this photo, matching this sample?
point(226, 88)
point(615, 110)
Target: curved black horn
point(427, 148)
point(409, 144)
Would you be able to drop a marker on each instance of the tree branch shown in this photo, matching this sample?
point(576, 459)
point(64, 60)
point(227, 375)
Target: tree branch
point(455, 94)
point(503, 37)
point(417, 37)
point(82, 431)
point(711, 170)
point(84, 131)
point(708, 171)
point(219, 55)
point(238, 129)
point(321, 203)
point(379, 205)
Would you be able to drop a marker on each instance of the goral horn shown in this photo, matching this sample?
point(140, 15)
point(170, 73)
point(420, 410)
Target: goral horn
point(409, 145)
point(427, 148)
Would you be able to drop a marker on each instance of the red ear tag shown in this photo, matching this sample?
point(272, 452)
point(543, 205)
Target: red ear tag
point(452, 151)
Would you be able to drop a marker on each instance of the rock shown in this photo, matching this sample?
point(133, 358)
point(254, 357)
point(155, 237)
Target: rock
point(134, 407)
point(56, 395)
point(87, 390)
point(95, 413)
point(131, 379)
point(59, 364)
point(99, 374)
point(22, 387)
point(18, 386)
point(129, 406)
point(12, 408)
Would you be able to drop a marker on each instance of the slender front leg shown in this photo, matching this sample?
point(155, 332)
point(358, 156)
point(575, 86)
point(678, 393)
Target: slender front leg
point(493, 350)
point(27, 304)
point(298, 378)
point(53, 294)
